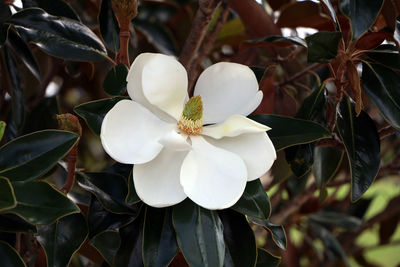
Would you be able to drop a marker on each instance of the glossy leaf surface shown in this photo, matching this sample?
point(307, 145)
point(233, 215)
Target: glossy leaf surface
point(386, 55)
point(254, 201)
point(130, 250)
point(24, 53)
point(110, 189)
point(362, 14)
point(199, 234)
point(115, 81)
point(9, 256)
point(266, 259)
point(159, 238)
point(362, 144)
point(58, 36)
point(240, 243)
point(100, 220)
point(62, 239)
point(383, 87)
point(32, 155)
point(109, 26)
point(288, 131)
point(326, 162)
point(40, 203)
point(277, 231)
point(56, 8)
point(323, 46)
point(107, 243)
point(279, 41)
point(7, 197)
point(93, 112)
point(17, 93)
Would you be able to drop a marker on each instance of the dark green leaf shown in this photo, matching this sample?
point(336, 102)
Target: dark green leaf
point(300, 158)
point(130, 251)
point(100, 220)
point(362, 14)
point(62, 239)
point(159, 238)
point(329, 240)
point(115, 81)
point(259, 72)
point(132, 196)
point(254, 201)
point(58, 36)
point(383, 87)
point(109, 26)
point(199, 234)
point(32, 155)
point(266, 259)
point(39, 203)
point(279, 40)
point(2, 128)
point(58, 8)
point(17, 90)
point(288, 131)
point(386, 55)
point(332, 13)
point(323, 46)
point(313, 106)
point(9, 256)
point(326, 162)
point(13, 223)
point(277, 231)
point(7, 197)
point(107, 243)
point(24, 52)
point(361, 140)
point(336, 218)
point(110, 189)
point(240, 243)
point(158, 35)
point(93, 112)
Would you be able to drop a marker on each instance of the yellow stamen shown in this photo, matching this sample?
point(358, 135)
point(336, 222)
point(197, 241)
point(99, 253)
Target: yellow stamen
point(191, 121)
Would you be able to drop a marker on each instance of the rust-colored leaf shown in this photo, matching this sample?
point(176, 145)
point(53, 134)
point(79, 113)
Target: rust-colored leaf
point(372, 40)
point(267, 86)
point(302, 14)
point(354, 83)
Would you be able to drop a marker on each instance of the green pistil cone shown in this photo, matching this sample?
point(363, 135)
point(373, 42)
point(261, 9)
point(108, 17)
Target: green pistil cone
point(193, 109)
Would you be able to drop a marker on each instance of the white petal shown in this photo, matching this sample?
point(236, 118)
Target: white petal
point(213, 178)
point(252, 105)
point(165, 82)
point(233, 126)
point(130, 133)
point(227, 89)
point(157, 182)
point(175, 141)
point(256, 150)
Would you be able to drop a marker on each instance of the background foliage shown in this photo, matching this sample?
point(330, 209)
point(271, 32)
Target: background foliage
point(329, 71)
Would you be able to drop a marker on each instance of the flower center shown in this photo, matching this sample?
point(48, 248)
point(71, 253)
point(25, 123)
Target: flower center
point(191, 121)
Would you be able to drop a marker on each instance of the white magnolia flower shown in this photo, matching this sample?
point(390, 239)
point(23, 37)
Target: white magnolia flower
point(203, 148)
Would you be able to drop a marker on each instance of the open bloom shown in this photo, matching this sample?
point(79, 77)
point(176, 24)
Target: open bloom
point(203, 148)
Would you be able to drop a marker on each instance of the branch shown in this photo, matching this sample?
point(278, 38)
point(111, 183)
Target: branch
point(199, 29)
point(208, 45)
point(386, 131)
point(300, 74)
point(331, 142)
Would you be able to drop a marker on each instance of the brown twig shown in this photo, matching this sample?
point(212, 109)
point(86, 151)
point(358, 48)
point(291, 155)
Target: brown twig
point(300, 74)
point(207, 45)
point(71, 159)
point(199, 30)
